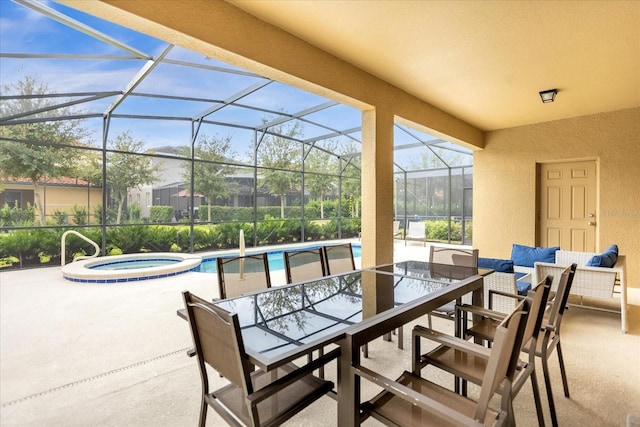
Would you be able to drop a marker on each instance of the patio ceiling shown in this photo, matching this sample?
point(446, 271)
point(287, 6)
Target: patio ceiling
point(159, 91)
point(481, 61)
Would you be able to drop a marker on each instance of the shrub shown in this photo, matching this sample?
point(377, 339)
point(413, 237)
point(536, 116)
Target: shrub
point(8, 261)
point(439, 230)
point(112, 214)
point(114, 251)
point(34, 246)
point(160, 238)
point(14, 216)
point(275, 231)
point(20, 244)
point(80, 215)
point(133, 212)
point(161, 213)
point(130, 239)
point(228, 234)
point(59, 217)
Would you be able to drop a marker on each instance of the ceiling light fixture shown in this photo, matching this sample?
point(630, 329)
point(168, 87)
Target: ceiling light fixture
point(548, 95)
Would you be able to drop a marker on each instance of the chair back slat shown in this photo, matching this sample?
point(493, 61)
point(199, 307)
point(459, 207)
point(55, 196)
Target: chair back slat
point(240, 275)
point(504, 356)
point(339, 258)
point(453, 256)
point(304, 265)
point(562, 296)
point(217, 341)
point(539, 297)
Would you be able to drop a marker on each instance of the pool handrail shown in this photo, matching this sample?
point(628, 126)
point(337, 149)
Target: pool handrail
point(86, 239)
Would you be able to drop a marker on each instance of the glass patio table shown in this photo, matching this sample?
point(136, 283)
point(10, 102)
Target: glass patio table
point(281, 324)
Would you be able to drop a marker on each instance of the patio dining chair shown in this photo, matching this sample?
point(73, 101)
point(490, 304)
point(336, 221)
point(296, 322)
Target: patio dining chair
point(445, 255)
point(252, 397)
point(301, 266)
point(548, 339)
point(468, 361)
point(417, 231)
point(243, 274)
point(413, 400)
point(239, 275)
point(339, 258)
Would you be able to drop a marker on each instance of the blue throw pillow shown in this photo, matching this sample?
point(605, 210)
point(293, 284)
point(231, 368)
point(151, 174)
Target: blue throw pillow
point(607, 259)
point(523, 287)
point(499, 265)
point(527, 256)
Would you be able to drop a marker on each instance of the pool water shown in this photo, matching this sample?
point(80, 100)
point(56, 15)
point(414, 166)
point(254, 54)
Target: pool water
point(133, 264)
point(275, 259)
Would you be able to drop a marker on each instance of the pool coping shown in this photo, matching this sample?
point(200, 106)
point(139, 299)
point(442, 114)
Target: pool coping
point(80, 271)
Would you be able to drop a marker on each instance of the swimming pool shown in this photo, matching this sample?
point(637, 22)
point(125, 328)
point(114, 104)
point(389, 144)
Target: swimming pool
point(275, 258)
point(155, 265)
point(131, 264)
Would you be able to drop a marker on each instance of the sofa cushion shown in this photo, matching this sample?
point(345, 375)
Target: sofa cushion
point(607, 259)
point(527, 256)
point(498, 265)
point(523, 286)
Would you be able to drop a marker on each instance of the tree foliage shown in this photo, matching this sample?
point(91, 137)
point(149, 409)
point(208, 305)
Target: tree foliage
point(323, 182)
point(280, 153)
point(351, 179)
point(33, 150)
point(209, 170)
point(127, 169)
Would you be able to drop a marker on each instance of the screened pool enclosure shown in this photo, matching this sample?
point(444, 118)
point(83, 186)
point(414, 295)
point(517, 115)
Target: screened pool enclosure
point(145, 146)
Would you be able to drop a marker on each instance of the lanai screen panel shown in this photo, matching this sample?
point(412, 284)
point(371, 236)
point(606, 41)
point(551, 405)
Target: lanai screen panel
point(150, 103)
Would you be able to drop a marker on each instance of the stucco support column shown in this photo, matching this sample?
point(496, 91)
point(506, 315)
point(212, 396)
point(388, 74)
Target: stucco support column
point(377, 187)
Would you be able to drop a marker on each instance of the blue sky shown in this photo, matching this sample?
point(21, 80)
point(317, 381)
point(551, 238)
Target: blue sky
point(23, 30)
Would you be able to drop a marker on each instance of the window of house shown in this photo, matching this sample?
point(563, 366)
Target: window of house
point(13, 198)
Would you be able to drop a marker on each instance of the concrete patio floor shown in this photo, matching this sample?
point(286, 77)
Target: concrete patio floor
point(114, 355)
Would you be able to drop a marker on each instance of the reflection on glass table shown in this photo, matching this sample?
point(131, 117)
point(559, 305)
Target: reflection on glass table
point(282, 323)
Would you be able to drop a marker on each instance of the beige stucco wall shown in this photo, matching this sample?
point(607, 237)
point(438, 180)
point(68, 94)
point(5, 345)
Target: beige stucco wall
point(57, 198)
point(504, 184)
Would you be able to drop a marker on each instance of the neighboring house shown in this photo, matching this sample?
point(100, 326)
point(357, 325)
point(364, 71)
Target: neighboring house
point(170, 188)
point(57, 194)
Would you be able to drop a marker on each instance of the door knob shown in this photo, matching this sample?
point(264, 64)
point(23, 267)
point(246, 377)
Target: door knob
point(591, 223)
point(591, 215)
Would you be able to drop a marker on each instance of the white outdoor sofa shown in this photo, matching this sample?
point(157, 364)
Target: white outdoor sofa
point(598, 282)
point(501, 285)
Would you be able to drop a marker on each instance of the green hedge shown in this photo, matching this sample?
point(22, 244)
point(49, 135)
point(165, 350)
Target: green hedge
point(35, 246)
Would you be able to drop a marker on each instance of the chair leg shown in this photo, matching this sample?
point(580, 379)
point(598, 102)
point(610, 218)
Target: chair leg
point(547, 383)
point(310, 359)
point(565, 384)
point(429, 321)
point(365, 351)
point(203, 412)
point(460, 386)
point(507, 402)
point(401, 338)
point(536, 397)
